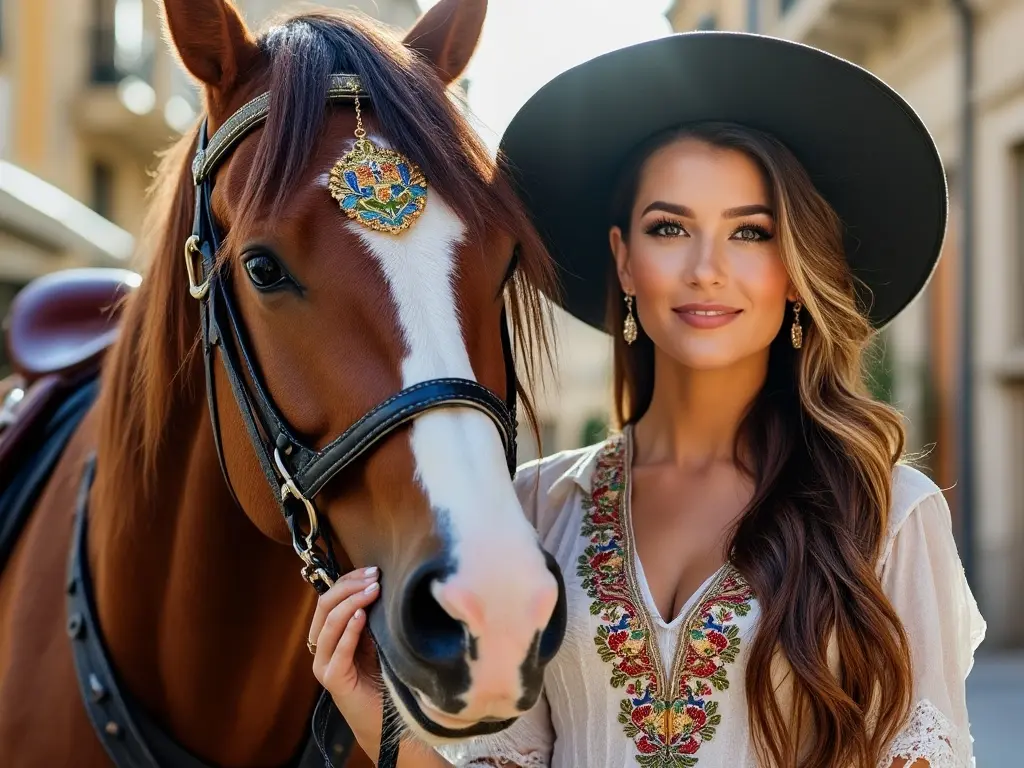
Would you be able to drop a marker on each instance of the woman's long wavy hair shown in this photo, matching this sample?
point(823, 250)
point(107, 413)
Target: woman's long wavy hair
point(821, 453)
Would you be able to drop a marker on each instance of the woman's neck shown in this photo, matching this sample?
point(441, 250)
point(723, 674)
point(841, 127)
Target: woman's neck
point(695, 415)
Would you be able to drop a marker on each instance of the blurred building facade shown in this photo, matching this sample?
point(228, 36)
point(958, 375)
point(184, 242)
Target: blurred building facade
point(92, 92)
point(89, 93)
point(918, 47)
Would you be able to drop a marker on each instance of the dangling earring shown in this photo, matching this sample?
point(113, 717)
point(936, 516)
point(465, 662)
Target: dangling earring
point(629, 324)
point(796, 332)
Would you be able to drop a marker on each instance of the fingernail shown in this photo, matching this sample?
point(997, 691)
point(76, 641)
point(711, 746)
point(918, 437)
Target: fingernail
point(373, 587)
point(358, 614)
point(371, 571)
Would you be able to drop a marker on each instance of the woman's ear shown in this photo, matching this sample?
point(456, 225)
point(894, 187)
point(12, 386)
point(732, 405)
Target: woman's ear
point(620, 252)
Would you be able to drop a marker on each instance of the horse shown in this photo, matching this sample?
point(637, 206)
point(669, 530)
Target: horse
point(199, 599)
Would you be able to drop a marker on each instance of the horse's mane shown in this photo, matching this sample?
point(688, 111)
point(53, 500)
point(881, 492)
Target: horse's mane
point(153, 364)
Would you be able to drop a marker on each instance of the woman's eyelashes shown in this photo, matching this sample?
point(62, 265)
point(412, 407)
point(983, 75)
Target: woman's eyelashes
point(752, 232)
point(665, 228)
point(746, 232)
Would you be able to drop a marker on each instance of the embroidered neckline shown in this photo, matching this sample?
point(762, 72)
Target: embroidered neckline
point(667, 723)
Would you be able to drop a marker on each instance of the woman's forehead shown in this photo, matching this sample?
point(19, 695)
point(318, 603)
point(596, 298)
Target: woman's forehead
point(697, 170)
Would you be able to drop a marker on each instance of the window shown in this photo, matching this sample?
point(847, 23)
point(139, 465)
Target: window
point(1018, 156)
point(118, 43)
point(102, 68)
point(101, 186)
point(706, 22)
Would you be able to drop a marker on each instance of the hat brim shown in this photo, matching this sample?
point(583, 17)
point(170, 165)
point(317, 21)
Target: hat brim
point(866, 150)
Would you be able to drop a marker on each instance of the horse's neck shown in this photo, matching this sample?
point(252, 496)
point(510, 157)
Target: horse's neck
point(205, 617)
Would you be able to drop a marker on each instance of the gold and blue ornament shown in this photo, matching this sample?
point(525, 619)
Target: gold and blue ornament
point(378, 187)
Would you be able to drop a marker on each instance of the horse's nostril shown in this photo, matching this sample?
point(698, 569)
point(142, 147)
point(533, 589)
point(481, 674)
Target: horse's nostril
point(430, 632)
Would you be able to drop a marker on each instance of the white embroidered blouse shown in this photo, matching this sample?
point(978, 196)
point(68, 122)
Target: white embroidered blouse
point(630, 689)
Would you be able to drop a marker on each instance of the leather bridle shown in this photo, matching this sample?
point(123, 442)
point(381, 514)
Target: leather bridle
point(296, 472)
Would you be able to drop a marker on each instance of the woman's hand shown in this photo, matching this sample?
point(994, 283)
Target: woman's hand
point(346, 665)
point(344, 662)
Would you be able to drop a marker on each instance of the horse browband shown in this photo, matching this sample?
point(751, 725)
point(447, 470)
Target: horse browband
point(251, 114)
point(296, 472)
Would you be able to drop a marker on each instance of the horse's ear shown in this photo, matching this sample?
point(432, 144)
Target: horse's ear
point(447, 35)
point(212, 41)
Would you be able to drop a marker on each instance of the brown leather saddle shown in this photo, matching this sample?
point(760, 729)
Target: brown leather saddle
point(56, 334)
point(57, 331)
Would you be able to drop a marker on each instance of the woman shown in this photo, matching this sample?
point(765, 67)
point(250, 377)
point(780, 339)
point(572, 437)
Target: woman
point(753, 577)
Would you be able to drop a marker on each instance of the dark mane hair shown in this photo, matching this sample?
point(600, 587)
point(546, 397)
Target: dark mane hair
point(416, 115)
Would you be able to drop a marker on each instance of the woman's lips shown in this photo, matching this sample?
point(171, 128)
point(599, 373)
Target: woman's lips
point(707, 316)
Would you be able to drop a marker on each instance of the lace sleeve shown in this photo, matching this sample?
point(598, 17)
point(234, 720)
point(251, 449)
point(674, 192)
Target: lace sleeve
point(527, 744)
point(924, 580)
point(929, 735)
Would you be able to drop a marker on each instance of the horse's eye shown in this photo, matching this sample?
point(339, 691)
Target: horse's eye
point(264, 271)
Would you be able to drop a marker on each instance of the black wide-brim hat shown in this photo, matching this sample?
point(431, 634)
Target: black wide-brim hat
point(866, 150)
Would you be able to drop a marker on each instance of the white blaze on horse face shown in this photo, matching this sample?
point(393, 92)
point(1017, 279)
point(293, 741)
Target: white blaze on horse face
point(501, 588)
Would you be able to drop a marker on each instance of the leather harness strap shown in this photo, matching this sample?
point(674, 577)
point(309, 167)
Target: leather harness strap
point(129, 735)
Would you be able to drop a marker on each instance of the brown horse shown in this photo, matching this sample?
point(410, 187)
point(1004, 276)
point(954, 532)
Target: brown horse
point(199, 599)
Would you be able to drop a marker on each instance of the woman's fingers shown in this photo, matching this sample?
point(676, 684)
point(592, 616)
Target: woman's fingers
point(341, 673)
point(336, 643)
point(349, 584)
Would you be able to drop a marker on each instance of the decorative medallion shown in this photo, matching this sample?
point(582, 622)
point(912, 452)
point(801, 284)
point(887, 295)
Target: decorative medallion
point(378, 187)
point(668, 719)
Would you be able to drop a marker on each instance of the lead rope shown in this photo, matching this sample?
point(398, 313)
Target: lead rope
point(327, 713)
point(326, 716)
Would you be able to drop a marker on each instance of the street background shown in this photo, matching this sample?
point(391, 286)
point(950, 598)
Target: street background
point(89, 93)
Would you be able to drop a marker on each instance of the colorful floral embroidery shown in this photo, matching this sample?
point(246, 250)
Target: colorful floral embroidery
point(666, 731)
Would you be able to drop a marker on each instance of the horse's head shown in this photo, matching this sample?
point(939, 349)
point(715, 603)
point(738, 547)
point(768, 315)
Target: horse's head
point(339, 316)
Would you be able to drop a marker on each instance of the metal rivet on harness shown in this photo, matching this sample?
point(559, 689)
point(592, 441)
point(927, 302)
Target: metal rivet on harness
point(112, 729)
point(76, 627)
point(99, 693)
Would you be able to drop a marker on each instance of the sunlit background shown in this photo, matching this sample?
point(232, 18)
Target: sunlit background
point(89, 92)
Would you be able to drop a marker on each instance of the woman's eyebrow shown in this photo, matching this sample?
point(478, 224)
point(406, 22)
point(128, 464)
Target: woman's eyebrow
point(730, 213)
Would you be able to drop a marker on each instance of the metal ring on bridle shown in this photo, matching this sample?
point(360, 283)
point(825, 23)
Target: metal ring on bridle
point(288, 488)
point(196, 290)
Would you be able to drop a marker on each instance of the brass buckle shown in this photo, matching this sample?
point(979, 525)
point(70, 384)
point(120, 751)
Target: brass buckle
point(314, 570)
point(197, 290)
point(288, 488)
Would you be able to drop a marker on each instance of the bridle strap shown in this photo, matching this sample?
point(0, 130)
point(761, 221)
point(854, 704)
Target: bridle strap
point(340, 87)
point(393, 413)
